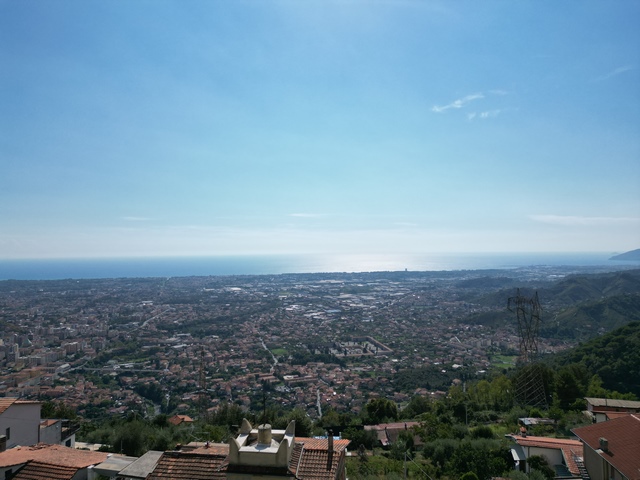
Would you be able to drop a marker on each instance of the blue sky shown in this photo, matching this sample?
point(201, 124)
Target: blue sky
point(164, 128)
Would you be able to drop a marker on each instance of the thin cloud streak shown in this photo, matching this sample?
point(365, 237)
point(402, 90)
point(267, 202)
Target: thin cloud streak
point(459, 103)
point(484, 115)
point(573, 221)
point(614, 73)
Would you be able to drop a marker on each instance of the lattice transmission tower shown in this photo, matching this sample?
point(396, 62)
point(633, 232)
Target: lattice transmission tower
point(529, 384)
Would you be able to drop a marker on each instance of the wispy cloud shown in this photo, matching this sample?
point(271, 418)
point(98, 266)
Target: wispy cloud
point(574, 220)
point(459, 103)
point(483, 115)
point(613, 73)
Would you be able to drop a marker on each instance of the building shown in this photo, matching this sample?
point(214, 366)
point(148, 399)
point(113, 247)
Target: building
point(388, 433)
point(19, 422)
point(564, 456)
point(63, 461)
point(603, 409)
point(612, 448)
point(260, 452)
point(179, 419)
point(61, 432)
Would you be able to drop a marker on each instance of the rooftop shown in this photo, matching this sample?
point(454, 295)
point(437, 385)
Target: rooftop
point(6, 402)
point(51, 454)
point(34, 470)
point(623, 443)
point(143, 466)
point(570, 448)
point(610, 402)
point(188, 466)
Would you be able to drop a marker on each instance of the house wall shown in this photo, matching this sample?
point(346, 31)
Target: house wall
point(51, 434)
point(593, 463)
point(81, 474)
point(598, 468)
point(13, 469)
point(23, 420)
point(553, 455)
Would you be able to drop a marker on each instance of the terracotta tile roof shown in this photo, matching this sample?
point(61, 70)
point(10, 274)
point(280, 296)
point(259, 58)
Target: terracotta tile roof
point(178, 419)
point(188, 466)
point(52, 454)
point(322, 443)
point(612, 415)
point(311, 458)
point(570, 448)
point(545, 442)
point(623, 437)
point(44, 471)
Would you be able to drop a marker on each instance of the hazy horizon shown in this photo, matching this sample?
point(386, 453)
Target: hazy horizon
point(167, 129)
point(139, 267)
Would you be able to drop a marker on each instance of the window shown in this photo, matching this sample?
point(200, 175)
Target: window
point(8, 433)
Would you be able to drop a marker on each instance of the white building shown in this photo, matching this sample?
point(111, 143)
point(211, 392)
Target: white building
point(19, 421)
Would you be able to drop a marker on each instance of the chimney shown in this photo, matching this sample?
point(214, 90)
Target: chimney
point(264, 434)
point(330, 450)
point(604, 444)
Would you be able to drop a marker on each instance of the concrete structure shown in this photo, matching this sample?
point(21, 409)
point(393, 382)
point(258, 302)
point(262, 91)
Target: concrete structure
point(111, 467)
point(261, 449)
point(612, 448)
point(143, 466)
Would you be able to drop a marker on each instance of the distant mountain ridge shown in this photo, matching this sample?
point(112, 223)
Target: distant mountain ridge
point(581, 288)
point(633, 255)
point(576, 307)
point(588, 319)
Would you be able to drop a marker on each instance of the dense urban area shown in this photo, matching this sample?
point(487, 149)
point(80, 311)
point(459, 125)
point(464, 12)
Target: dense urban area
point(327, 350)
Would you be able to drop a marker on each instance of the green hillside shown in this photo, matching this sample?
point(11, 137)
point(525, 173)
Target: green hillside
point(615, 357)
point(588, 319)
point(582, 288)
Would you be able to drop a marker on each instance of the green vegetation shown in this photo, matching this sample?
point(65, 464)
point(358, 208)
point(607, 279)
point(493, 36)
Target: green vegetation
point(614, 358)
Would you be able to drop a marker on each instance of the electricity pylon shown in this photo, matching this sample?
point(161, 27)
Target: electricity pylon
point(529, 385)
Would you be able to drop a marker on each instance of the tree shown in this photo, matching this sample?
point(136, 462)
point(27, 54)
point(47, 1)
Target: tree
point(539, 463)
point(417, 405)
point(380, 410)
point(469, 476)
point(360, 437)
point(57, 410)
point(130, 439)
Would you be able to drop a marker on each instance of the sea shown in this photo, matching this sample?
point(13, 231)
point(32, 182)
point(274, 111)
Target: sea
point(57, 269)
